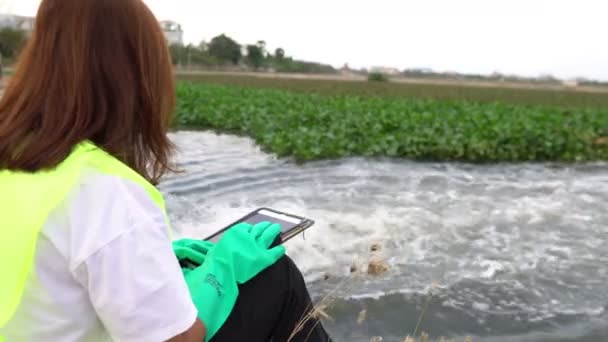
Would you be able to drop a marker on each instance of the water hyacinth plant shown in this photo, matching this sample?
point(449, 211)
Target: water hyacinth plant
point(311, 126)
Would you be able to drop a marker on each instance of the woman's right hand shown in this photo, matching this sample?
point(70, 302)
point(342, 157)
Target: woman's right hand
point(247, 249)
point(192, 251)
point(242, 252)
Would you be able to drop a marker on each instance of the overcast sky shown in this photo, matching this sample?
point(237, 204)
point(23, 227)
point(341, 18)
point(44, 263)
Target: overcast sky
point(524, 37)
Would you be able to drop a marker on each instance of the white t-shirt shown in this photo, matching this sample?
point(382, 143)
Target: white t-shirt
point(104, 271)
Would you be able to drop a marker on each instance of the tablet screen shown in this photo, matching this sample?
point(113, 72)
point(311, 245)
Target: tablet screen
point(287, 222)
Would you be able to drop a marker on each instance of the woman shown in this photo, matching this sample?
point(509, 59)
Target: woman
point(85, 251)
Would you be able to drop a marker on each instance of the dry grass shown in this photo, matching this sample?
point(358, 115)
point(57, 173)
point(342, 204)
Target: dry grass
point(319, 311)
point(376, 266)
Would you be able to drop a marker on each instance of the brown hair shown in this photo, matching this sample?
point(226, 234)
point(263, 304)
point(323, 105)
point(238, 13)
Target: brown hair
point(96, 70)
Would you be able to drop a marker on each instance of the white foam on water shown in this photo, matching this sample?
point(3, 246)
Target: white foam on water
point(481, 306)
point(492, 268)
point(538, 233)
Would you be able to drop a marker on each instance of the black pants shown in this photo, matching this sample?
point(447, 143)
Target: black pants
point(269, 308)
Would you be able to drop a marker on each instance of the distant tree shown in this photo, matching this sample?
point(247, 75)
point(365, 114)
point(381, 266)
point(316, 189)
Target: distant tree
point(255, 56)
point(262, 45)
point(377, 77)
point(189, 50)
point(225, 49)
point(295, 66)
point(202, 59)
point(279, 54)
point(548, 79)
point(177, 54)
point(191, 56)
point(11, 41)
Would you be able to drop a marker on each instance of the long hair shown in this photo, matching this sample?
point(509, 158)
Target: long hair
point(96, 70)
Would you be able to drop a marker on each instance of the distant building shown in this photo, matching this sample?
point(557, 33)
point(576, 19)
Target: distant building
point(17, 22)
point(384, 70)
point(347, 71)
point(173, 32)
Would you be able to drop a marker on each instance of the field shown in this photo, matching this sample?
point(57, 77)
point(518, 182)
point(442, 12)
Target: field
point(325, 119)
point(595, 97)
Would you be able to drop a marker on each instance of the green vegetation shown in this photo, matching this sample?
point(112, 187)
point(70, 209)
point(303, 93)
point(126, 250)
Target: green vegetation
point(224, 49)
point(377, 77)
point(255, 54)
point(312, 126)
point(225, 52)
point(11, 41)
point(191, 55)
point(521, 95)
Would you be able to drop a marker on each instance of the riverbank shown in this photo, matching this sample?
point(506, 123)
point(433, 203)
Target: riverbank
point(202, 74)
point(524, 94)
point(310, 126)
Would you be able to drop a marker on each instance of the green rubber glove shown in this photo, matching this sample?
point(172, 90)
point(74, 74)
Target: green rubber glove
point(194, 251)
point(248, 249)
point(240, 255)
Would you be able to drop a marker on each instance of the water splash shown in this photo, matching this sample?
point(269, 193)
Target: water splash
point(509, 243)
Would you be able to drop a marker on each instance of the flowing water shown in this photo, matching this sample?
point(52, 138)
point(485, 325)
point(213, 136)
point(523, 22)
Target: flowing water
point(500, 253)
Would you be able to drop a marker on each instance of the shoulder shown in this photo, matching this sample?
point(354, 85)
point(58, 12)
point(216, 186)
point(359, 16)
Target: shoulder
point(100, 209)
point(98, 191)
point(100, 199)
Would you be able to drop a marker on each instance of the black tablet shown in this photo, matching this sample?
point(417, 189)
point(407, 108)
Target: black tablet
point(291, 225)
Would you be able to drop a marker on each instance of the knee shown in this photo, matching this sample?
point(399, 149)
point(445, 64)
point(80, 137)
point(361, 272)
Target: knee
point(288, 262)
point(285, 271)
point(286, 266)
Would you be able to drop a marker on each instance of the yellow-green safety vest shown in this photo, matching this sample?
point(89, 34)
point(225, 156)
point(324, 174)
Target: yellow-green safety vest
point(27, 199)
